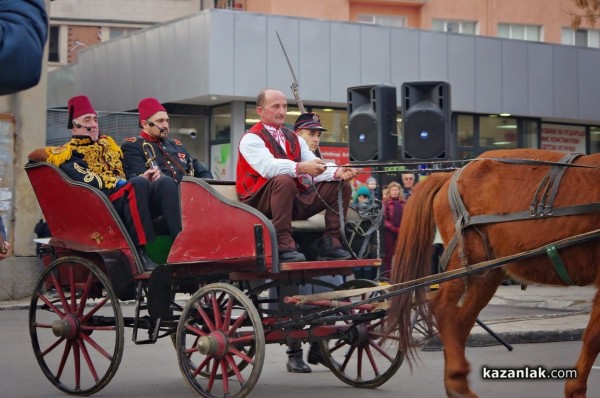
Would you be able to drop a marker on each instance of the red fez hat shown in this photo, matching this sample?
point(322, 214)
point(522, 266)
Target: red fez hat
point(148, 107)
point(78, 106)
point(309, 121)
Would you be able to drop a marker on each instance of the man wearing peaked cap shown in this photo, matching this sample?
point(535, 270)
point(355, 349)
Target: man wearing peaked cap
point(309, 121)
point(153, 146)
point(308, 126)
point(95, 159)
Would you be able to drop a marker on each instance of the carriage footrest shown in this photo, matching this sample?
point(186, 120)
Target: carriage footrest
point(153, 335)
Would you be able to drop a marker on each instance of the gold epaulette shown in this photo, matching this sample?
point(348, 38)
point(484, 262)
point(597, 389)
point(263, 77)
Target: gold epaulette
point(176, 141)
point(112, 145)
point(57, 155)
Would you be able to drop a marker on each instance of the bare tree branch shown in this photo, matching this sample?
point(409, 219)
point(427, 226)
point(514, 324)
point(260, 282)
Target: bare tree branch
point(587, 10)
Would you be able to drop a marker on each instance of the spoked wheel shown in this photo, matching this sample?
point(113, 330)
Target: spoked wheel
point(361, 358)
point(361, 230)
point(76, 326)
point(241, 362)
point(220, 342)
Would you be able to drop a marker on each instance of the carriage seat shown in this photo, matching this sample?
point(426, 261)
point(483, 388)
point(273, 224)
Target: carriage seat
point(314, 223)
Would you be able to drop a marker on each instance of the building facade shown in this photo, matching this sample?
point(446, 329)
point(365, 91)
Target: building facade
point(209, 66)
point(77, 24)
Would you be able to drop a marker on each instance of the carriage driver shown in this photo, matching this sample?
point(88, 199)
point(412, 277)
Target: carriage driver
point(271, 163)
point(96, 160)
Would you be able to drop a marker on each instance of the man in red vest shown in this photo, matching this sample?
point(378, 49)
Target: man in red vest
point(271, 164)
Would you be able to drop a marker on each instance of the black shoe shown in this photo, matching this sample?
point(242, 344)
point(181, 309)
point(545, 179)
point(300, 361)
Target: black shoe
point(147, 263)
point(315, 356)
point(295, 364)
point(330, 252)
point(291, 256)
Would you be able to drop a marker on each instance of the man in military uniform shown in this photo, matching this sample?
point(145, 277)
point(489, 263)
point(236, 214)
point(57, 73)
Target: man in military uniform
point(96, 160)
point(153, 147)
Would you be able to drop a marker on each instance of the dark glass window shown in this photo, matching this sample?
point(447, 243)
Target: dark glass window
point(53, 47)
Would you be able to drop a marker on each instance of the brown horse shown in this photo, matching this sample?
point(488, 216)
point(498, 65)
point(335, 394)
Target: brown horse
point(498, 186)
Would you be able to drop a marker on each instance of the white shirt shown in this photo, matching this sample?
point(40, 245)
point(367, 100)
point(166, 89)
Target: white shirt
point(253, 148)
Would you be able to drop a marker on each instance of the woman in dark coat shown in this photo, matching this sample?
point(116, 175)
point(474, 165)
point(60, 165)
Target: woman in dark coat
point(393, 208)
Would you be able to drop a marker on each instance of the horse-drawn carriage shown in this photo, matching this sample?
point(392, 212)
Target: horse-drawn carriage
point(534, 213)
point(225, 258)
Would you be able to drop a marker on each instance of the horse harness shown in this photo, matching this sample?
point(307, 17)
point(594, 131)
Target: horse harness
point(541, 206)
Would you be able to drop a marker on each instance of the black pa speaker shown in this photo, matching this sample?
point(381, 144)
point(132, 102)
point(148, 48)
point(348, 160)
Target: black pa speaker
point(372, 128)
point(426, 120)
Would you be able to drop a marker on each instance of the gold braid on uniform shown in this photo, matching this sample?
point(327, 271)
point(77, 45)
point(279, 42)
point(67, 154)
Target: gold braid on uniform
point(103, 158)
point(89, 175)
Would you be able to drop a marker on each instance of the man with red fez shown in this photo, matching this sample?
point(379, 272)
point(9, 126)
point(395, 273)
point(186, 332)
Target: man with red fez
point(96, 160)
point(271, 163)
point(153, 146)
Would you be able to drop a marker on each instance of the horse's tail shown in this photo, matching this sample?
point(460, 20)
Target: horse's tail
point(412, 260)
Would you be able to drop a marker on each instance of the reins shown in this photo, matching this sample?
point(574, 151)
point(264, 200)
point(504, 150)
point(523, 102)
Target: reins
point(409, 286)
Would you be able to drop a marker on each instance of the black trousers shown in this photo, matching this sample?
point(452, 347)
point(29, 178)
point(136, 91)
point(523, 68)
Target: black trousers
point(165, 206)
point(140, 201)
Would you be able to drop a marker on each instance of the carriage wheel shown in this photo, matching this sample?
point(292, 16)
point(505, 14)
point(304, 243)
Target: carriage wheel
point(241, 362)
point(362, 358)
point(220, 342)
point(76, 326)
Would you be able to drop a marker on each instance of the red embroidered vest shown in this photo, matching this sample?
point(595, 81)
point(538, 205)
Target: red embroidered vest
point(248, 180)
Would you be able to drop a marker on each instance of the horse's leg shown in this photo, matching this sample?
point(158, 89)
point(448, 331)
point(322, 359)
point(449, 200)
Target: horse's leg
point(576, 388)
point(455, 321)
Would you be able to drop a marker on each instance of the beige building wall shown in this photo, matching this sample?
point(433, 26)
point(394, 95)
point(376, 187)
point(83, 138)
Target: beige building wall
point(553, 15)
point(84, 23)
point(123, 10)
point(81, 34)
point(337, 10)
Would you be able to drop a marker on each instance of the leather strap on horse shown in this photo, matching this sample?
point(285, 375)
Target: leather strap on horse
point(542, 204)
point(460, 214)
point(543, 199)
point(558, 265)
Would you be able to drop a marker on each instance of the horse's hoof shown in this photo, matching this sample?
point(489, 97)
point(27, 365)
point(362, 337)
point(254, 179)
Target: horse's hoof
point(573, 389)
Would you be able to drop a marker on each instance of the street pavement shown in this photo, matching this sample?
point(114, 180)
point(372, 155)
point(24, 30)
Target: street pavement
point(538, 314)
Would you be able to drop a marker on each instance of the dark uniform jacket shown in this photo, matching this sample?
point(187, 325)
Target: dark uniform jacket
point(95, 163)
point(169, 155)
